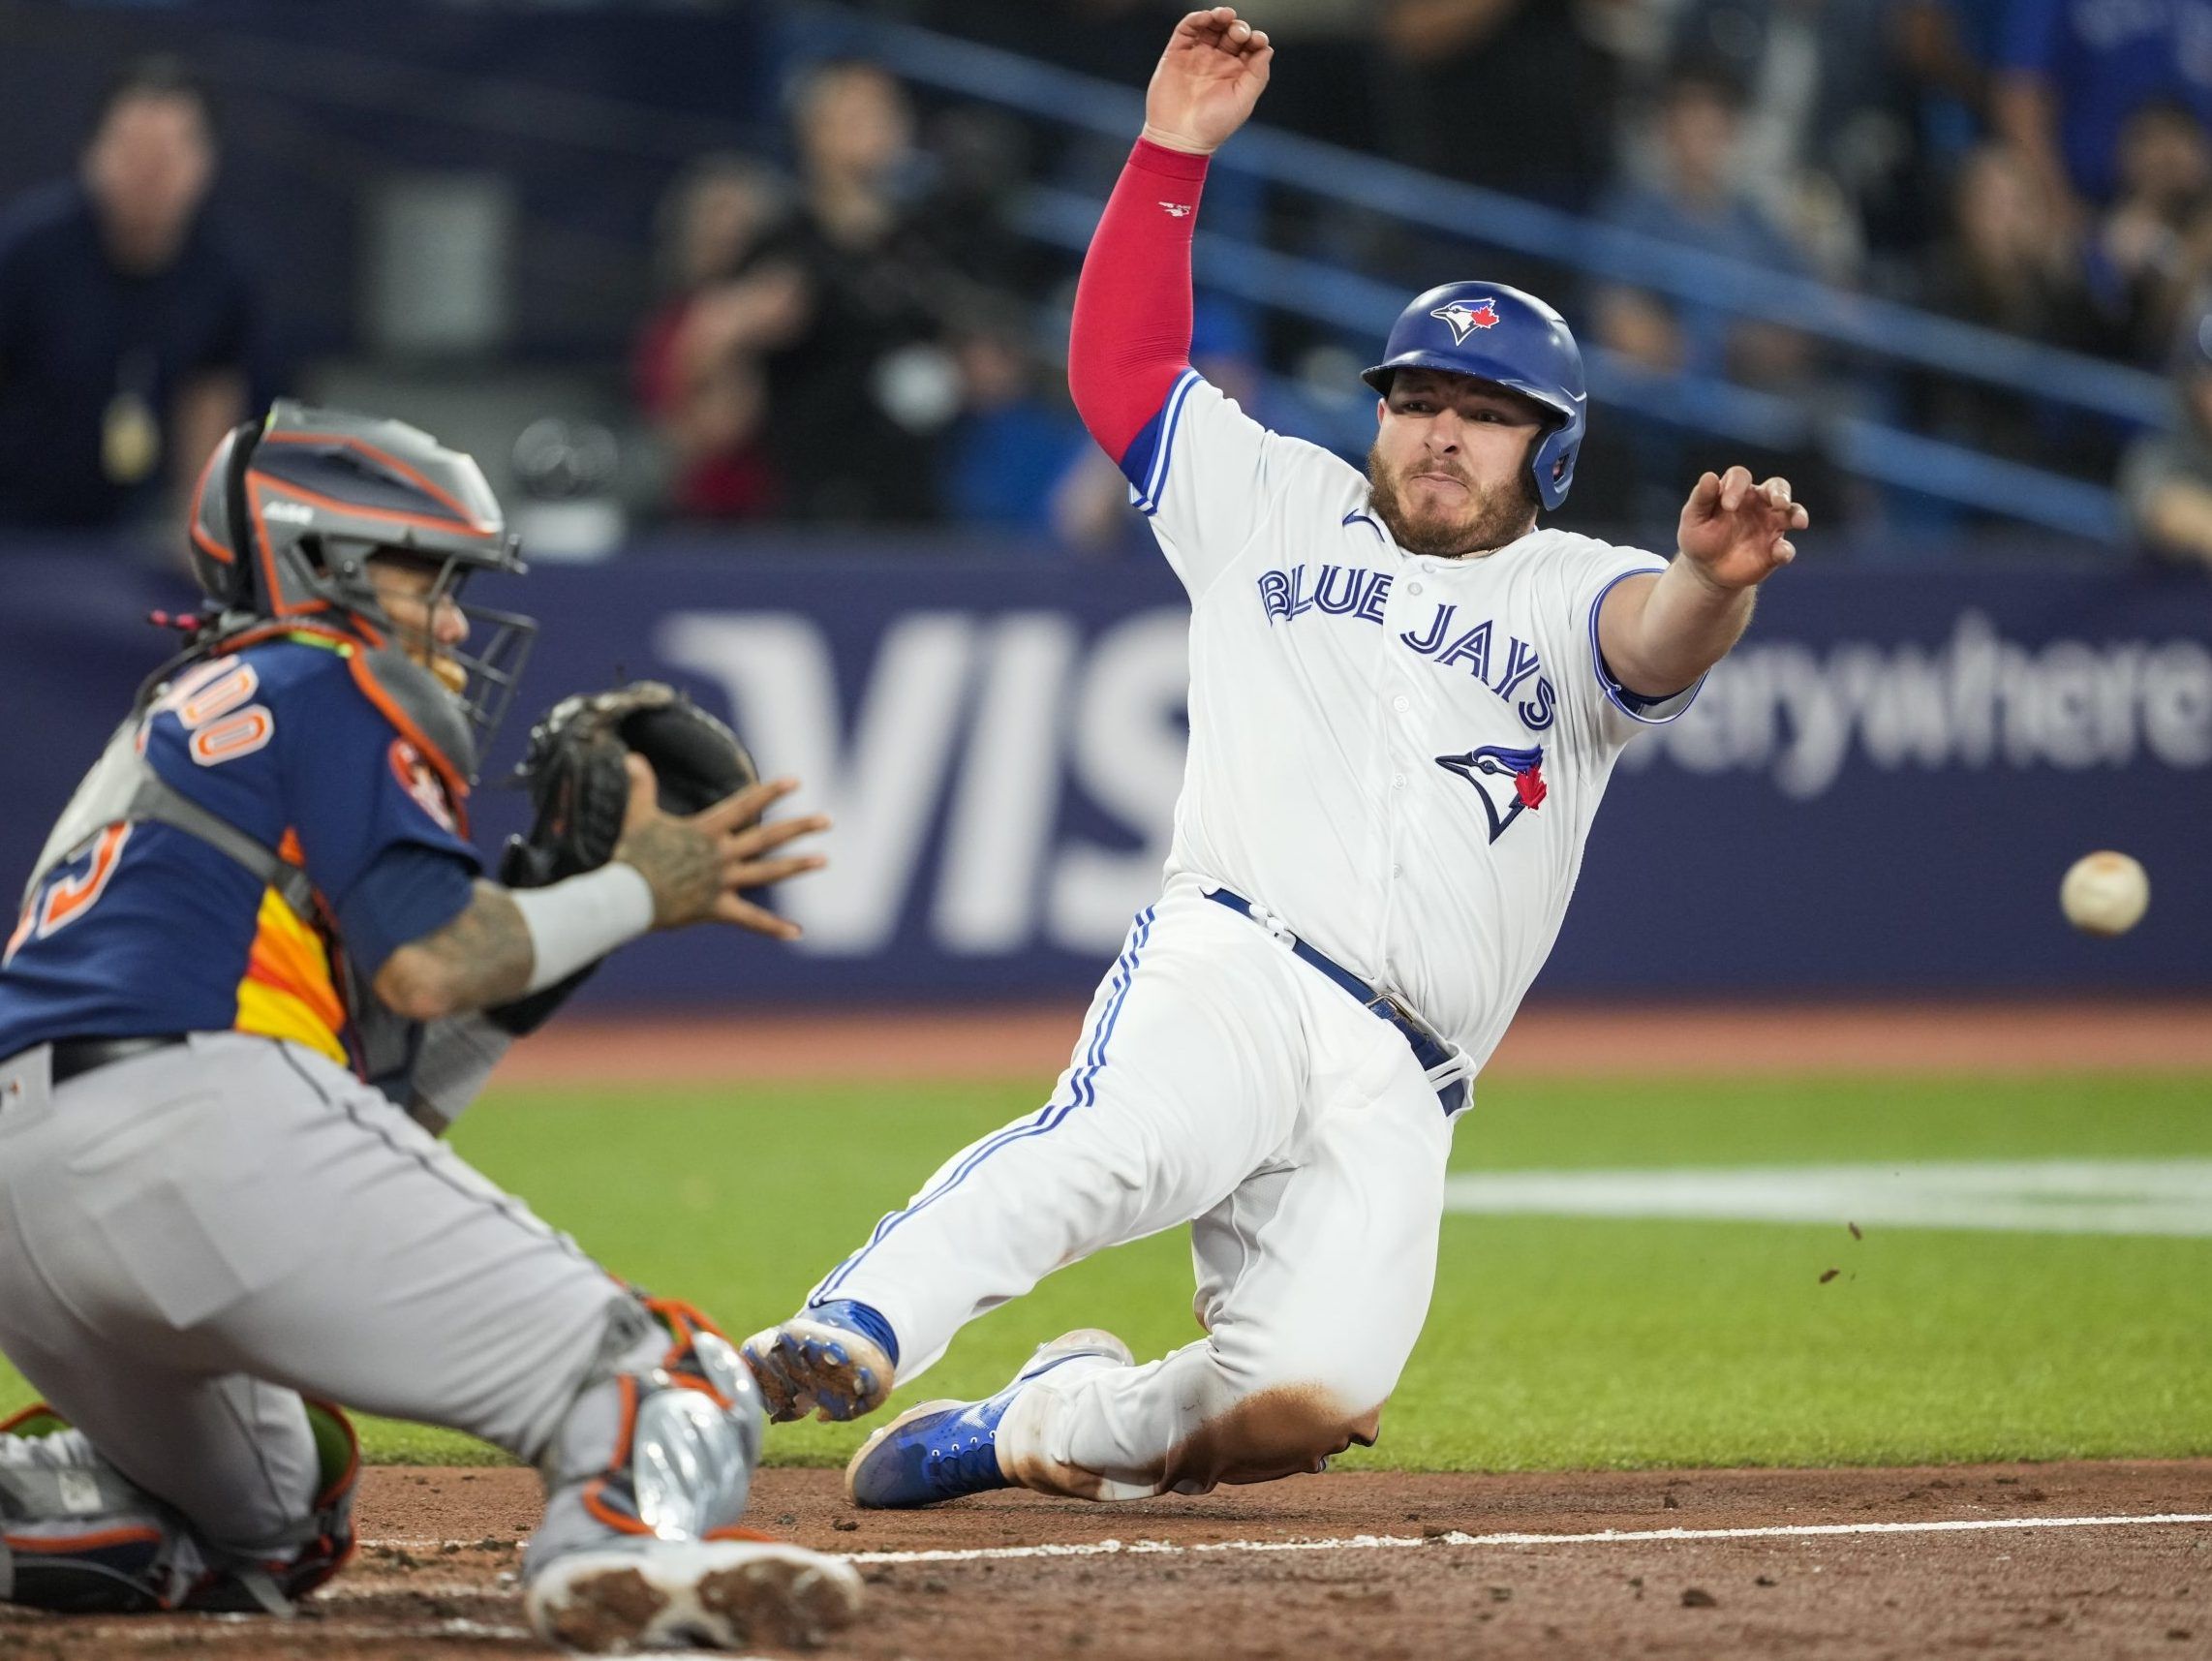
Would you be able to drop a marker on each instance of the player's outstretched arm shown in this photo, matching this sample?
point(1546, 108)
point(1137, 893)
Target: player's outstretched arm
point(1214, 71)
point(1660, 633)
point(667, 872)
point(1129, 342)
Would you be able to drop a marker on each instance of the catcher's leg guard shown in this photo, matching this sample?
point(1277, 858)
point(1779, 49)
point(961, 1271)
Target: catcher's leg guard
point(645, 1480)
point(77, 1537)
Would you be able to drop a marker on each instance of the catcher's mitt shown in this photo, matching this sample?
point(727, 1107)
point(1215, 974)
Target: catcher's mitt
point(573, 770)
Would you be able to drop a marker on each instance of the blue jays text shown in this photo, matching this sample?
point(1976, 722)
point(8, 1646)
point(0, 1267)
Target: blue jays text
point(1503, 663)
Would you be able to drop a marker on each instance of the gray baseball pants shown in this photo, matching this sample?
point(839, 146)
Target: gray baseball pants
point(193, 1239)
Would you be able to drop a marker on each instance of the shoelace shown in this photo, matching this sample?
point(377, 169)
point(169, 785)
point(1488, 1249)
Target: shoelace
point(970, 1462)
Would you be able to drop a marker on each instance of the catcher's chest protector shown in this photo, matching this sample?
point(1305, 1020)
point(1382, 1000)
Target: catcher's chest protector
point(179, 890)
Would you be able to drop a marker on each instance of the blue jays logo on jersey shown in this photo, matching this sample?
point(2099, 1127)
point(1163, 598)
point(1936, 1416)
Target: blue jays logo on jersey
point(1521, 777)
point(1465, 319)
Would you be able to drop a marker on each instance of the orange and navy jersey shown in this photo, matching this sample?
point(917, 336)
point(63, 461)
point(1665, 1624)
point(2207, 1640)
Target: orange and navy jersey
point(151, 930)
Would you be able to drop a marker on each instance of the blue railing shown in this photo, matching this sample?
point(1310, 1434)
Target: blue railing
point(1329, 294)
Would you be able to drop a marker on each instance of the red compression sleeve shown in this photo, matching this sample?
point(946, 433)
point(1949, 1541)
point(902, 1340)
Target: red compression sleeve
point(1131, 338)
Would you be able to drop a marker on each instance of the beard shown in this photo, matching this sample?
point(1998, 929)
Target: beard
point(1490, 519)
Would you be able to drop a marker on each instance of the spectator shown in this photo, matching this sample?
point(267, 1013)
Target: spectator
point(981, 161)
point(129, 329)
point(1939, 54)
point(2005, 266)
point(1512, 94)
point(2165, 480)
point(697, 364)
point(2143, 266)
point(1694, 199)
point(1943, 49)
point(860, 394)
point(2072, 71)
point(1812, 123)
point(1011, 446)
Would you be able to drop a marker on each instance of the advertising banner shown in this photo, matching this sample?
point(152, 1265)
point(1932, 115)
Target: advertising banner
point(1878, 791)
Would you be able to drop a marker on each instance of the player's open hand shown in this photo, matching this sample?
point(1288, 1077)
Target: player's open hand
point(699, 865)
point(1212, 73)
point(1736, 532)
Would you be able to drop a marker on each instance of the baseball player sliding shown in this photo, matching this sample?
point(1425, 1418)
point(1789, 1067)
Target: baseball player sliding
point(1405, 702)
point(213, 1226)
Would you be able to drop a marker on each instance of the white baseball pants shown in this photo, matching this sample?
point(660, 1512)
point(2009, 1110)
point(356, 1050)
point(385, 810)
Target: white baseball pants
point(1218, 1081)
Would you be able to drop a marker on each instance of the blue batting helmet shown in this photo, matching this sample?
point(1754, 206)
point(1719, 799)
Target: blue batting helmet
point(1500, 334)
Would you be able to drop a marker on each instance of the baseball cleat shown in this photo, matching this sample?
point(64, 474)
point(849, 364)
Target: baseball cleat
point(944, 1450)
point(702, 1594)
point(815, 1363)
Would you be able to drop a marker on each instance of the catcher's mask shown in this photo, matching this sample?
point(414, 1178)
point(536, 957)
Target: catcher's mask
point(291, 510)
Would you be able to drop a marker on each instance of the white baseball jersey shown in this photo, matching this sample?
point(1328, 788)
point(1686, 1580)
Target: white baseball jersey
point(1398, 755)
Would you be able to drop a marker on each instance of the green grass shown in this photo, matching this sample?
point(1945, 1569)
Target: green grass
point(1551, 1342)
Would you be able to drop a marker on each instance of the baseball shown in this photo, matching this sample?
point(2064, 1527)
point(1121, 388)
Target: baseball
point(2104, 893)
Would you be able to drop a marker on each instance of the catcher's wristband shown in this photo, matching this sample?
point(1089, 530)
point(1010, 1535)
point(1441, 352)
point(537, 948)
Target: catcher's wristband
point(580, 919)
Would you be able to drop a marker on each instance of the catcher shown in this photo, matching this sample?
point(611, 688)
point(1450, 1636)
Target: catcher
point(254, 971)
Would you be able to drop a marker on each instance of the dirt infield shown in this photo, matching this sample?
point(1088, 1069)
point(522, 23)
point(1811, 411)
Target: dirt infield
point(1546, 1040)
point(2036, 1567)
point(2025, 1562)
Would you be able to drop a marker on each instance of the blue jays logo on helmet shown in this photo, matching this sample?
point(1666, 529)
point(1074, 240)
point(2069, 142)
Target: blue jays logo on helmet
point(1518, 771)
point(1498, 333)
point(1465, 319)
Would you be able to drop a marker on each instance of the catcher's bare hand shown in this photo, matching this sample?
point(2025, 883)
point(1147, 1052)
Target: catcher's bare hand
point(1737, 534)
point(1214, 71)
point(699, 865)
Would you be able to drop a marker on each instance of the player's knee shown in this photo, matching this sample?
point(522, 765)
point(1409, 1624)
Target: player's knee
point(1289, 1416)
point(660, 1439)
point(1284, 1430)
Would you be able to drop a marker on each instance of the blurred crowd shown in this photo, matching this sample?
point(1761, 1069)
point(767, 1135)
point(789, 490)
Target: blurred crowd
point(850, 327)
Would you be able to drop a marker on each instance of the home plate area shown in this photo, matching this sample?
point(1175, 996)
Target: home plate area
point(2027, 1560)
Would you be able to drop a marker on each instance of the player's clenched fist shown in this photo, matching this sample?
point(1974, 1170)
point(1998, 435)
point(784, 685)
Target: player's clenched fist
point(1212, 74)
point(1737, 533)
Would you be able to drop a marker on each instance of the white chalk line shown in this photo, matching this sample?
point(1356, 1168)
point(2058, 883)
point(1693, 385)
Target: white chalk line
point(1430, 1543)
point(353, 1592)
point(2037, 1196)
point(260, 1628)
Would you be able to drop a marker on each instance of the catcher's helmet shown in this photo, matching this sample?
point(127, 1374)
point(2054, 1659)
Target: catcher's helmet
point(291, 509)
point(1500, 334)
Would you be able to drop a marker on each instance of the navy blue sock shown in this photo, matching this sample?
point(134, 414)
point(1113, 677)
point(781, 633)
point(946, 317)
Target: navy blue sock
point(862, 1318)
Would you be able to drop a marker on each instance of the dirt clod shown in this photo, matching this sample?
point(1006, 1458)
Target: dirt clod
point(1697, 1597)
point(607, 1609)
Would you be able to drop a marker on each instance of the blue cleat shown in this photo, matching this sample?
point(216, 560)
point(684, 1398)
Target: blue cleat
point(823, 1362)
point(943, 1449)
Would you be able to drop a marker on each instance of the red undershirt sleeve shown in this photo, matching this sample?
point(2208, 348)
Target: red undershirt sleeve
point(1130, 343)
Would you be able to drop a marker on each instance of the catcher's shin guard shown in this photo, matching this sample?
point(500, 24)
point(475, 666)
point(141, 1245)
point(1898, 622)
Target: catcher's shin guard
point(646, 1478)
point(77, 1537)
point(660, 1441)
